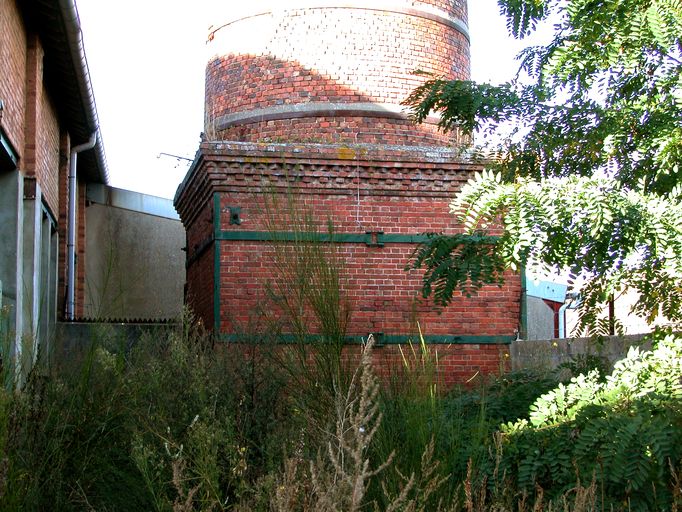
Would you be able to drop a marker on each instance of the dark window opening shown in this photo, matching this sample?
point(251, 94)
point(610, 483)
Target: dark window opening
point(8, 158)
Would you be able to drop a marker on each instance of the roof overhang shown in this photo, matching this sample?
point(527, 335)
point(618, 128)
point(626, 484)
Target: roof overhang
point(67, 76)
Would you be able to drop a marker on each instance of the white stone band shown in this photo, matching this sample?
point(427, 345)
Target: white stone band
point(423, 11)
point(314, 109)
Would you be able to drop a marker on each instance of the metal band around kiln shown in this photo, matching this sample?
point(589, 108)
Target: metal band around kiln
point(314, 109)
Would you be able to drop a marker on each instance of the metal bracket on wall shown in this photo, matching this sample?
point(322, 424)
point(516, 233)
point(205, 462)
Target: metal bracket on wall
point(235, 214)
point(30, 187)
point(375, 238)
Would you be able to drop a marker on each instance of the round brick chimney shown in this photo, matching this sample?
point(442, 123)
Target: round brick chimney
point(330, 71)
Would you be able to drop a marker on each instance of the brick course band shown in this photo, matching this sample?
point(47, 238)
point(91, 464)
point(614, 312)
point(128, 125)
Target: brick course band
point(426, 12)
point(315, 109)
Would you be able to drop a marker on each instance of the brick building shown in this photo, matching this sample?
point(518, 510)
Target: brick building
point(73, 248)
point(48, 131)
point(303, 97)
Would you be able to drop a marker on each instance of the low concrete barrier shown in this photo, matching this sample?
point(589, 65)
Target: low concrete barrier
point(75, 337)
point(548, 354)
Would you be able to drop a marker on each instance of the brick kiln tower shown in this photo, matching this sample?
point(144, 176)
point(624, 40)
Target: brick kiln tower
point(305, 95)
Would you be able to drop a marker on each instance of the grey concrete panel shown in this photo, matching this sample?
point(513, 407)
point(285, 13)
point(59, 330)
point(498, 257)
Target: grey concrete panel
point(548, 354)
point(75, 339)
point(129, 200)
point(11, 249)
point(31, 263)
point(47, 273)
point(9, 197)
point(53, 285)
point(540, 320)
point(135, 266)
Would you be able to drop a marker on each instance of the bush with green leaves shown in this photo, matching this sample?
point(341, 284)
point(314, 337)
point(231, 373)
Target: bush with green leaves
point(585, 363)
point(460, 423)
point(625, 432)
point(176, 423)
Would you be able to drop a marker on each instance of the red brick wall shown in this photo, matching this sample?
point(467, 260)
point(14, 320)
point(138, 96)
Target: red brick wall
point(12, 72)
point(399, 191)
point(80, 249)
point(453, 364)
point(62, 221)
point(327, 81)
point(200, 288)
point(81, 227)
point(327, 57)
point(47, 154)
point(34, 91)
point(450, 364)
point(29, 118)
point(41, 153)
point(383, 297)
point(340, 129)
point(200, 271)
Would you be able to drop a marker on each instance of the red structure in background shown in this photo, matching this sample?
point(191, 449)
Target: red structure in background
point(305, 98)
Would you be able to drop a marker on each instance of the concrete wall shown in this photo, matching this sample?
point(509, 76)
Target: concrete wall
point(135, 266)
point(540, 319)
point(548, 354)
point(11, 248)
point(28, 265)
point(76, 338)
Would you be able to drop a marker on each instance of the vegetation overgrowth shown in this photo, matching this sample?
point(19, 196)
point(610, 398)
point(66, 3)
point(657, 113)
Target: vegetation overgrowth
point(181, 422)
point(176, 423)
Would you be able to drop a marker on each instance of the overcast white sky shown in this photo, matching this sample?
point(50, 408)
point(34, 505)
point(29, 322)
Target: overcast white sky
point(147, 58)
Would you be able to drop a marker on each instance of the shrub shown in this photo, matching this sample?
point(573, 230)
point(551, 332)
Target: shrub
point(625, 432)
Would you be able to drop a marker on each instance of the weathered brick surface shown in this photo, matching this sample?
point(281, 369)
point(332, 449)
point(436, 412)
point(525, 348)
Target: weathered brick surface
point(310, 96)
point(13, 73)
point(450, 364)
point(199, 294)
point(341, 129)
point(397, 171)
point(361, 188)
point(326, 57)
point(41, 130)
point(62, 221)
point(29, 119)
point(200, 267)
point(383, 297)
point(453, 364)
point(33, 102)
point(47, 152)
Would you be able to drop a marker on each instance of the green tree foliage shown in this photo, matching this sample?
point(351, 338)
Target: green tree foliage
point(589, 176)
point(624, 432)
